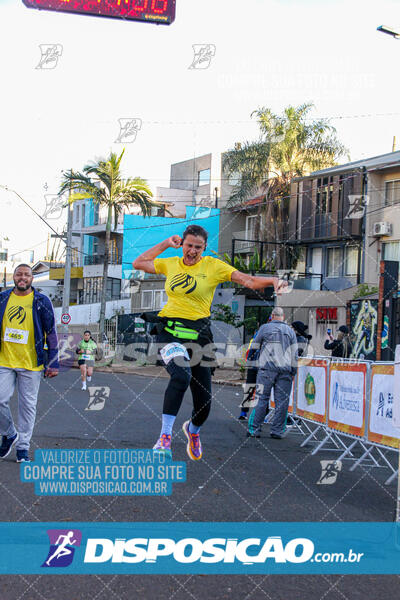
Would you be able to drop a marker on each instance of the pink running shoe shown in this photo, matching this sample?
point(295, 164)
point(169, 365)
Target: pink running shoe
point(164, 444)
point(193, 447)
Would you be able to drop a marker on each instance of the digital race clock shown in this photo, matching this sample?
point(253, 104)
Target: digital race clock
point(154, 11)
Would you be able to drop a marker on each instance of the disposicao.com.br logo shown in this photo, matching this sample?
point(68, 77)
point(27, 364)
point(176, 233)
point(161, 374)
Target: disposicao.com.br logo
point(188, 550)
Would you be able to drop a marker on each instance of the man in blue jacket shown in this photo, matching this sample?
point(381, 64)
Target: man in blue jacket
point(27, 323)
point(277, 367)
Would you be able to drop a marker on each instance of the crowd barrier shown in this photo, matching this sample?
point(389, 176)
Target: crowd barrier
point(342, 404)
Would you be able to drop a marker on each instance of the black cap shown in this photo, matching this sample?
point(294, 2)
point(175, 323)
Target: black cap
point(300, 328)
point(344, 329)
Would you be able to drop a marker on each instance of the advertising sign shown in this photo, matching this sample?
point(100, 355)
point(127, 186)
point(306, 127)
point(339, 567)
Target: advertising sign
point(311, 389)
point(363, 325)
point(347, 383)
point(381, 428)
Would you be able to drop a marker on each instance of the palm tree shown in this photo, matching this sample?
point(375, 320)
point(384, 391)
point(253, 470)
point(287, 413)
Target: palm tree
point(102, 182)
point(290, 145)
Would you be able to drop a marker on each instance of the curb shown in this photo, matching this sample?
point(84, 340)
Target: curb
point(161, 374)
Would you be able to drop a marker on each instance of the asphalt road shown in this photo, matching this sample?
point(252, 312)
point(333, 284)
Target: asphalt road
point(239, 479)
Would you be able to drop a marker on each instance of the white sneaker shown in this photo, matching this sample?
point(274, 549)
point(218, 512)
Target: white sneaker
point(84, 385)
point(89, 379)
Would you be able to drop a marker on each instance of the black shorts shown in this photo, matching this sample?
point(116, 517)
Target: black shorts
point(88, 363)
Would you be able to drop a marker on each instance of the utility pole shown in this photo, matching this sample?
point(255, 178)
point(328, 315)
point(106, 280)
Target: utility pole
point(67, 270)
point(394, 144)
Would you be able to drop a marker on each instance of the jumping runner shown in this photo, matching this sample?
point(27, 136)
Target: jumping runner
point(190, 286)
point(86, 350)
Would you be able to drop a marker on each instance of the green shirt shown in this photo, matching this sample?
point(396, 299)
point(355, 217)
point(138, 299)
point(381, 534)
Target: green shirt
point(89, 350)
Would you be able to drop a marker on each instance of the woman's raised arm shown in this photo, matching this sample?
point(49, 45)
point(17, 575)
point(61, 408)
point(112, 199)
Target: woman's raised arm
point(145, 262)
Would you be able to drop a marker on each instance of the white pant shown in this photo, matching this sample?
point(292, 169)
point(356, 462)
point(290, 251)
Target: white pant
point(28, 389)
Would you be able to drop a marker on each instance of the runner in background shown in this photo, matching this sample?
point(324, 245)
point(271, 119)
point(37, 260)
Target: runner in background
point(87, 349)
point(185, 322)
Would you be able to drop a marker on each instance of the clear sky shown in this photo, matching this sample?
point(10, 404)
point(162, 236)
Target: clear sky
point(268, 53)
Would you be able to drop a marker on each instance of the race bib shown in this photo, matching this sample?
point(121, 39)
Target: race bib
point(173, 350)
point(86, 357)
point(16, 336)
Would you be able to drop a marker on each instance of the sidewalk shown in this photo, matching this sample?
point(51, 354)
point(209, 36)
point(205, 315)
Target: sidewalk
point(221, 376)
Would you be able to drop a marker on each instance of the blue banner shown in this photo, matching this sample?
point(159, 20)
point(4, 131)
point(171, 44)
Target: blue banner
point(75, 472)
point(199, 548)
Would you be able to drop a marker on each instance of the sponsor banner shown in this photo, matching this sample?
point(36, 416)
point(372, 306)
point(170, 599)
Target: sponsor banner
point(396, 399)
point(312, 389)
point(291, 400)
point(381, 428)
point(199, 548)
point(346, 406)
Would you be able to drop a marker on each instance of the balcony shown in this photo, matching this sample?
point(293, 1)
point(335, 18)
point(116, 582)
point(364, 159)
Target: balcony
point(98, 259)
point(243, 242)
point(100, 226)
point(93, 266)
point(57, 270)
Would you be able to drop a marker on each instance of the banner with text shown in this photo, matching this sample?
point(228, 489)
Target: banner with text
point(347, 394)
point(380, 423)
point(251, 548)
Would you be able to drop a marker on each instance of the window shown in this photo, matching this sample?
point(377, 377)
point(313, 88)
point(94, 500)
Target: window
point(391, 251)
point(74, 257)
point(160, 299)
point(95, 246)
point(334, 262)
point(147, 299)
point(113, 288)
point(351, 261)
point(204, 177)
point(83, 215)
point(251, 226)
point(299, 260)
point(392, 192)
point(77, 213)
point(95, 290)
point(324, 195)
point(113, 251)
point(96, 213)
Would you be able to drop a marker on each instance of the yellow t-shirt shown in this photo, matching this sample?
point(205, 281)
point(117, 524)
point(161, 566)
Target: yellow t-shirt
point(17, 349)
point(190, 289)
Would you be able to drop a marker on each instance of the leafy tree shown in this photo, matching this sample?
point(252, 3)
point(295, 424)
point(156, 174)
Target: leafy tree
point(102, 182)
point(223, 312)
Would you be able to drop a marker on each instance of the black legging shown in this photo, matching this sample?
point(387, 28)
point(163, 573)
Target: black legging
point(183, 375)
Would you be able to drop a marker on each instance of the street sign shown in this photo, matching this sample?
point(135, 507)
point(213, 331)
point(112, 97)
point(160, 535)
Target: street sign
point(65, 318)
point(150, 11)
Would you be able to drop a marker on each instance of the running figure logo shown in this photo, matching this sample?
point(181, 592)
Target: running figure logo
point(54, 206)
point(98, 397)
point(50, 53)
point(330, 471)
point(62, 547)
point(184, 281)
point(357, 206)
point(203, 53)
point(128, 129)
point(18, 313)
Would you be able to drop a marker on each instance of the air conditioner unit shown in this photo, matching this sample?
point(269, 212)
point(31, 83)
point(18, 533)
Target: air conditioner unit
point(382, 228)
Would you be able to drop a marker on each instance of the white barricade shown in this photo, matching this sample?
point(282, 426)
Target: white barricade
point(381, 429)
point(347, 397)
